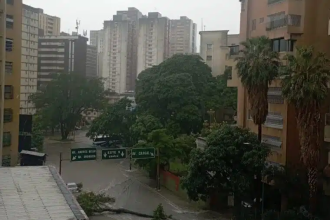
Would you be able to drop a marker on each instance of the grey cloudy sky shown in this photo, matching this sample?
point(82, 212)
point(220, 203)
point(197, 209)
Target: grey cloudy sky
point(216, 14)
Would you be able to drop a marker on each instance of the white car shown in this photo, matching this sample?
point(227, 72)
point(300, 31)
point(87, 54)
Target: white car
point(72, 187)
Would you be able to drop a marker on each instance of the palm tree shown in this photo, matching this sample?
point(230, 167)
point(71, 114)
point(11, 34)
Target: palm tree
point(257, 68)
point(305, 86)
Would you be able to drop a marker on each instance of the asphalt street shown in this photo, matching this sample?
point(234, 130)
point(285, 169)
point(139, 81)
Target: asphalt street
point(131, 188)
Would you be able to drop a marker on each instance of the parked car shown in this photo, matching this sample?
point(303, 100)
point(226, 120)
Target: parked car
point(72, 187)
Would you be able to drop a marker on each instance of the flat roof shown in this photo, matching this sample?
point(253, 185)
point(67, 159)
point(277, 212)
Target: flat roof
point(36, 192)
point(33, 153)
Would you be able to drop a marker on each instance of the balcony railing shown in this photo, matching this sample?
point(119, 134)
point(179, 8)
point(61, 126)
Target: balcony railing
point(288, 20)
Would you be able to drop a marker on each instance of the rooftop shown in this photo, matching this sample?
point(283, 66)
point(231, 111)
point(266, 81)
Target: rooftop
point(38, 192)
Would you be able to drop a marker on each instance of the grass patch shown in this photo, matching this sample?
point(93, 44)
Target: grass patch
point(178, 168)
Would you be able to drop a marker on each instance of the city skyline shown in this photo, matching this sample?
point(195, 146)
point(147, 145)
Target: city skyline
point(104, 10)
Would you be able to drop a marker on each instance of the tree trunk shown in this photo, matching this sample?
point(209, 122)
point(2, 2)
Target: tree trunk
point(313, 183)
point(64, 132)
point(258, 182)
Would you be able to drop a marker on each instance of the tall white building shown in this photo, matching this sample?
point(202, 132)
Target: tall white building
point(153, 43)
point(50, 25)
point(96, 39)
point(183, 33)
point(114, 67)
point(119, 50)
point(29, 58)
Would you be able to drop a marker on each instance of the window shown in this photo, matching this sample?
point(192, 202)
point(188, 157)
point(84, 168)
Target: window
point(9, 93)
point(6, 161)
point(6, 139)
point(272, 141)
point(229, 72)
point(9, 44)
point(8, 115)
point(261, 20)
point(281, 45)
point(275, 95)
point(209, 46)
point(9, 68)
point(208, 58)
point(273, 1)
point(254, 24)
point(10, 2)
point(10, 21)
point(243, 5)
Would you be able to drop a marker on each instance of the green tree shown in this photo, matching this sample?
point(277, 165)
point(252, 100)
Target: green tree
point(37, 139)
point(66, 97)
point(174, 92)
point(94, 203)
point(115, 122)
point(143, 125)
point(221, 96)
point(185, 144)
point(228, 164)
point(257, 68)
point(305, 85)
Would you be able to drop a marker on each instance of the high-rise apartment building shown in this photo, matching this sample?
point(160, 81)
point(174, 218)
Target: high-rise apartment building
point(153, 44)
point(91, 61)
point(29, 58)
point(10, 55)
point(213, 48)
point(50, 25)
point(182, 36)
point(119, 61)
point(96, 39)
point(61, 54)
point(287, 24)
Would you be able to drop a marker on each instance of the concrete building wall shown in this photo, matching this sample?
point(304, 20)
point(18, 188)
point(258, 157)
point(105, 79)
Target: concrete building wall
point(51, 25)
point(13, 34)
point(213, 49)
point(153, 45)
point(94, 38)
point(29, 58)
point(182, 36)
point(91, 61)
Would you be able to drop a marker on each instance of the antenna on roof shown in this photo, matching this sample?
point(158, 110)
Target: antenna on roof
point(202, 25)
point(77, 25)
point(85, 33)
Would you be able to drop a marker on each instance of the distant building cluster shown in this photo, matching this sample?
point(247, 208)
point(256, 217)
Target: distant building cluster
point(132, 42)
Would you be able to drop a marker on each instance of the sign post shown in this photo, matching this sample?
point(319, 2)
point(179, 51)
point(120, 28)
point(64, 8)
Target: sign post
point(113, 154)
point(143, 153)
point(83, 154)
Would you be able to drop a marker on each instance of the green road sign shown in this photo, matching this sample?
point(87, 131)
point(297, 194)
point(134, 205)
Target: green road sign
point(82, 154)
point(113, 154)
point(143, 153)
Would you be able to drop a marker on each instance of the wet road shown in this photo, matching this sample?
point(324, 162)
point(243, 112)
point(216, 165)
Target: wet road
point(113, 177)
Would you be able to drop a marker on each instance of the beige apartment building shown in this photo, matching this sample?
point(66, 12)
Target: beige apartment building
point(213, 48)
point(119, 49)
point(50, 25)
point(29, 58)
point(288, 24)
point(153, 46)
point(11, 30)
point(183, 33)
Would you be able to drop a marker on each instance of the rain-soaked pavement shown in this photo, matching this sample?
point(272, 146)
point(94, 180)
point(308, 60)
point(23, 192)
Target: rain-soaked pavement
point(131, 188)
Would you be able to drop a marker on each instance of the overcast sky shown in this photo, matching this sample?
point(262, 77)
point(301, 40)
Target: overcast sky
point(216, 14)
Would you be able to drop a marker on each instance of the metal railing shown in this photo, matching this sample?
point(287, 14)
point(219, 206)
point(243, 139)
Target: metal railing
point(288, 20)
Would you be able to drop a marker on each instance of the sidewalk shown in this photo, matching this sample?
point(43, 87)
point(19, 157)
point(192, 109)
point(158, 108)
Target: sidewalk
point(186, 206)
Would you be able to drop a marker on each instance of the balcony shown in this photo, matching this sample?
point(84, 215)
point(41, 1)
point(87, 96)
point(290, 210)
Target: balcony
point(233, 52)
point(286, 21)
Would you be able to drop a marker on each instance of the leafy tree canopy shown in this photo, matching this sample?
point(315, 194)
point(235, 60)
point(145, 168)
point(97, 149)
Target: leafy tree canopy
point(115, 121)
point(174, 92)
point(229, 163)
point(219, 95)
point(144, 125)
point(37, 139)
point(65, 97)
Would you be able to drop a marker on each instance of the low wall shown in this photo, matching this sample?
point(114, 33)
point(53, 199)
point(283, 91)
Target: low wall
point(172, 183)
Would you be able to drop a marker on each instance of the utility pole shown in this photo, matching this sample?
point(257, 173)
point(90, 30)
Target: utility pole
point(3, 70)
point(60, 171)
point(158, 169)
